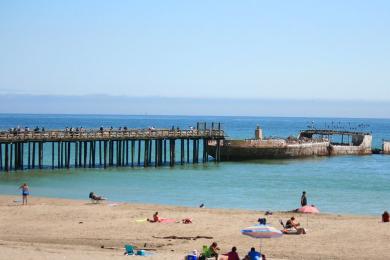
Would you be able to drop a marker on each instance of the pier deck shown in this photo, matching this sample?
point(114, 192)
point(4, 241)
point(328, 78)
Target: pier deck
point(21, 150)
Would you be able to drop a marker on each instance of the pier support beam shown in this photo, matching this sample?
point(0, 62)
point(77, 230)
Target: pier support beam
point(29, 156)
point(105, 154)
point(6, 163)
point(1, 156)
point(181, 151)
point(188, 151)
point(52, 155)
point(132, 152)
point(172, 152)
point(146, 153)
point(139, 152)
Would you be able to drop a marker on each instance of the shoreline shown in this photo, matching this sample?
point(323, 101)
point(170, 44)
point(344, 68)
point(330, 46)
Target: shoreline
point(346, 214)
point(50, 228)
point(193, 207)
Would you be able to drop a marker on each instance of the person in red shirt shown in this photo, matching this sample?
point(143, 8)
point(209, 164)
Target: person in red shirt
point(232, 255)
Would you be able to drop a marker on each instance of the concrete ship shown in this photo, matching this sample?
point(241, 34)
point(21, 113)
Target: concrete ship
point(312, 142)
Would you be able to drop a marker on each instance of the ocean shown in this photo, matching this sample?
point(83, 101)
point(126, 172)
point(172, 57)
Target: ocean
point(341, 185)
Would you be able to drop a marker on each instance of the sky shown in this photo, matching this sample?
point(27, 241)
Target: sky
point(267, 50)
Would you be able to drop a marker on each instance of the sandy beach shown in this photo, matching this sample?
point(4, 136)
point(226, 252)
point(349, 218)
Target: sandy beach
point(50, 228)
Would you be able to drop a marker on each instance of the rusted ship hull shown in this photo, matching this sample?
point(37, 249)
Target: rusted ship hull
point(237, 150)
point(304, 146)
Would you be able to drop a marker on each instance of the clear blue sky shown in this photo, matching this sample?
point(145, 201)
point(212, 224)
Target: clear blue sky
point(228, 49)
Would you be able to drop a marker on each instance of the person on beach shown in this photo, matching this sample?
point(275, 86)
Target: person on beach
point(291, 224)
point(232, 255)
point(25, 192)
point(156, 218)
point(94, 197)
point(385, 216)
point(303, 199)
point(254, 255)
point(214, 250)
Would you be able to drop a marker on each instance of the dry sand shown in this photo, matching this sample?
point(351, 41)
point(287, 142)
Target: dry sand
point(68, 229)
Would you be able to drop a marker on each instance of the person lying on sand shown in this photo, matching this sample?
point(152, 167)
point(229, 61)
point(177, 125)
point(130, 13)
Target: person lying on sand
point(94, 197)
point(186, 221)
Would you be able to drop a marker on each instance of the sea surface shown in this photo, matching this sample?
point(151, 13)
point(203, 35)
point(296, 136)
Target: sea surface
point(342, 185)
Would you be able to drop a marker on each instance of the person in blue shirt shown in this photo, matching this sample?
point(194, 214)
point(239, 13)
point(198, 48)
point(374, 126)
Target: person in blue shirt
point(254, 255)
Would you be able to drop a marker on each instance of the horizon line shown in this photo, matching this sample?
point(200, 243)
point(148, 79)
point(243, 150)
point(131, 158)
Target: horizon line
point(175, 115)
point(196, 98)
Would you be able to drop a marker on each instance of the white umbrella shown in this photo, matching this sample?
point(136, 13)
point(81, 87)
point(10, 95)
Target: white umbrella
point(262, 231)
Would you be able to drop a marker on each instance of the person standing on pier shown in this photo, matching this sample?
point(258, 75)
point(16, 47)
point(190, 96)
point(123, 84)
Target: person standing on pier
point(303, 199)
point(25, 192)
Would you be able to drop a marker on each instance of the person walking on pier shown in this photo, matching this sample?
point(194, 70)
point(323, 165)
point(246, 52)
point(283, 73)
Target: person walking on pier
point(303, 199)
point(25, 192)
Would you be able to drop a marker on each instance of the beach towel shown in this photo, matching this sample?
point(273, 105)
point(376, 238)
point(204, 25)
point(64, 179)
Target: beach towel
point(141, 220)
point(166, 220)
point(143, 253)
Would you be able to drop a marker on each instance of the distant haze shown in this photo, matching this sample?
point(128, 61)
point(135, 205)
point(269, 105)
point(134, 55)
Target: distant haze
point(122, 105)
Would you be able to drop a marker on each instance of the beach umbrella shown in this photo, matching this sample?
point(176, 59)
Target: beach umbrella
point(308, 210)
point(261, 231)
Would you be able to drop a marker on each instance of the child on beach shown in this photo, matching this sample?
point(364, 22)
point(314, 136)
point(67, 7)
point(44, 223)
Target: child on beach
point(25, 192)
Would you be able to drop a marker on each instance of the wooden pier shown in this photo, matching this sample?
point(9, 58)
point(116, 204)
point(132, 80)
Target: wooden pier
point(20, 150)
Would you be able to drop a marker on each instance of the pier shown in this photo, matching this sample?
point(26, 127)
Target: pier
point(20, 149)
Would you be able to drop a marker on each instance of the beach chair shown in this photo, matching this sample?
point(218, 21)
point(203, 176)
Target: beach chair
point(285, 229)
point(129, 250)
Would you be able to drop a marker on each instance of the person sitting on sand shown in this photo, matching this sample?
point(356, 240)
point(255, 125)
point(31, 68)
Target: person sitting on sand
point(95, 198)
point(385, 216)
point(291, 224)
point(25, 192)
point(214, 250)
point(232, 255)
point(254, 255)
point(156, 218)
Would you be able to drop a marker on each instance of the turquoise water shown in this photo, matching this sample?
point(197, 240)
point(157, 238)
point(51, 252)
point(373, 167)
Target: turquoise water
point(345, 184)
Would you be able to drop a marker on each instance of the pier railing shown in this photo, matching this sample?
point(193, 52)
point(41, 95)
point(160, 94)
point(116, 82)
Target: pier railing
point(91, 135)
